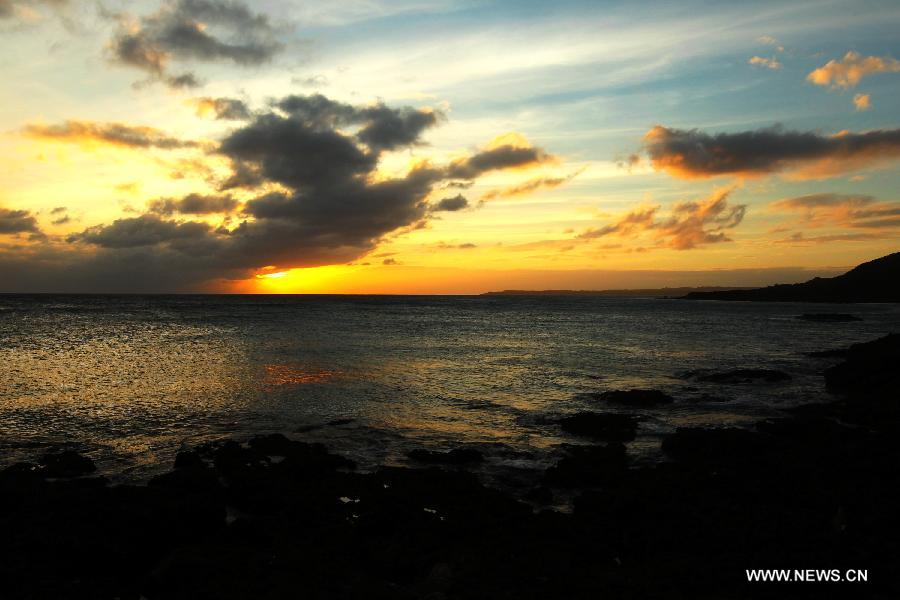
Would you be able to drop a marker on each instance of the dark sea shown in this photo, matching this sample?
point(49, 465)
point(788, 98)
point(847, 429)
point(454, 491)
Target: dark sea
point(132, 379)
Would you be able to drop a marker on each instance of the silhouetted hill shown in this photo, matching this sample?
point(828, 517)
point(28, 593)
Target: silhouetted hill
point(874, 281)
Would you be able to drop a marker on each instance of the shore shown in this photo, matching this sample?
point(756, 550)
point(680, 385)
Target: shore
point(280, 518)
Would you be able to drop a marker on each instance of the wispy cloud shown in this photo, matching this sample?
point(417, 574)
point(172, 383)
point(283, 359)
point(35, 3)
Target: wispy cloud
point(689, 225)
point(840, 210)
point(530, 186)
point(114, 134)
point(768, 63)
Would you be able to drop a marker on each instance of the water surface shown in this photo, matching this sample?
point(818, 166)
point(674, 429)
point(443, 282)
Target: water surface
point(130, 379)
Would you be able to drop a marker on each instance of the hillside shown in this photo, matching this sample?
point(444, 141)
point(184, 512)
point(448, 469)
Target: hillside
point(874, 281)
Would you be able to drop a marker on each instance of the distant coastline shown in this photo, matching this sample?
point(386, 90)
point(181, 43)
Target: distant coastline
point(667, 292)
point(874, 281)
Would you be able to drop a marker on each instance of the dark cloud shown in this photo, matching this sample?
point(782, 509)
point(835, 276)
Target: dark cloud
point(694, 154)
point(689, 225)
point(115, 134)
point(62, 220)
point(291, 152)
point(183, 81)
point(194, 30)
point(17, 221)
point(229, 109)
point(450, 204)
point(243, 175)
point(58, 210)
point(145, 230)
point(194, 204)
point(502, 157)
point(381, 127)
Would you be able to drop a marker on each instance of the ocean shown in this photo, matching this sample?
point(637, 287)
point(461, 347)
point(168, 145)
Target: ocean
point(129, 380)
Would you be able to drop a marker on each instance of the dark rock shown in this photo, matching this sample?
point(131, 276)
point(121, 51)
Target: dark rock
point(608, 427)
point(198, 479)
point(737, 376)
point(588, 466)
point(726, 445)
point(635, 398)
point(188, 459)
point(829, 317)
point(457, 456)
point(66, 464)
point(273, 444)
point(870, 368)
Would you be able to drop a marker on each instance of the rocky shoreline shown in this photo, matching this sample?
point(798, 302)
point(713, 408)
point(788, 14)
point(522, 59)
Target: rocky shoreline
point(279, 518)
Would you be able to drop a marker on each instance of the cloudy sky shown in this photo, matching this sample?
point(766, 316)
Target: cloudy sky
point(437, 146)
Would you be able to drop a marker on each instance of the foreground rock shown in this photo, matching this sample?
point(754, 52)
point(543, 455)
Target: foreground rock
point(609, 427)
point(869, 368)
point(457, 456)
point(66, 464)
point(585, 466)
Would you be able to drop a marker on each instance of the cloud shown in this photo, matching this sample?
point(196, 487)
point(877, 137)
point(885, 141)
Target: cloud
point(380, 127)
point(17, 221)
point(841, 210)
point(193, 30)
point(194, 204)
point(228, 109)
point(24, 9)
point(769, 63)
point(862, 102)
point(115, 134)
point(529, 186)
point(450, 204)
point(800, 239)
point(506, 156)
point(145, 230)
point(849, 71)
point(323, 200)
point(768, 40)
point(313, 81)
point(692, 154)
point(689, 225)
point(183, 81)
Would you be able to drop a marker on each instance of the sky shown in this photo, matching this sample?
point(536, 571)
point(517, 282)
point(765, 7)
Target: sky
point(437, 146)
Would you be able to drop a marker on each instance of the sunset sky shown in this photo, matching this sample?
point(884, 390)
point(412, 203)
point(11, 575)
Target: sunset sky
point(432, 146)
